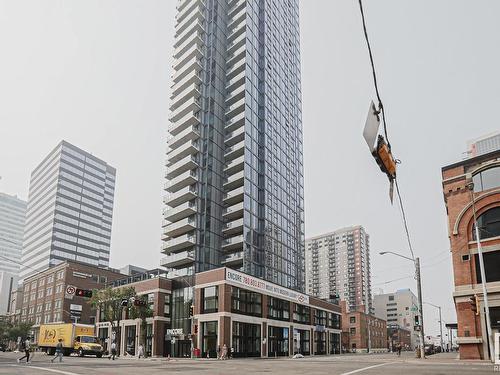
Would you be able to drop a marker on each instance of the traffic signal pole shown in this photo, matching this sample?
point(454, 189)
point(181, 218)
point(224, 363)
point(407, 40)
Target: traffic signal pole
point(420, 306)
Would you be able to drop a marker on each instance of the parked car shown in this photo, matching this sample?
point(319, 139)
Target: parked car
point(429, 349)
point(3, 347)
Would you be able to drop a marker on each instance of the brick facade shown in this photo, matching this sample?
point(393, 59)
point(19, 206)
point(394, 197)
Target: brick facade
point(458, 200)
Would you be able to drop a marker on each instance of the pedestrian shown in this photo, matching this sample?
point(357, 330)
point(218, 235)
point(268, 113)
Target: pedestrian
point(232, 352)
point(224, 352)
point(140, 351)
point(113, 351)
point(218, 352)
point(399, 350)
point(59, 351)
point(26, 346)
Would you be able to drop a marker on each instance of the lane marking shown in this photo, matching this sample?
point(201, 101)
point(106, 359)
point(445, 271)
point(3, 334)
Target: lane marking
point(366, 368)
point(47, 369)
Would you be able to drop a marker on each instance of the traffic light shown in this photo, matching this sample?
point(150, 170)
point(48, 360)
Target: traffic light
point(140, 302)
point(417, 321)
point(196, 328)
point(83, 293)
point(474, 304)
point(384, 158)
point(191, 310)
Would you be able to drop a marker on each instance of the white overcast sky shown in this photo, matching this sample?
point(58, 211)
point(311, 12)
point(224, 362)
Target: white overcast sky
point(97, 74)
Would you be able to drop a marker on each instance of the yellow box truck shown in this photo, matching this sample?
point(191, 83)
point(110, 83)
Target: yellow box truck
point(76, 338)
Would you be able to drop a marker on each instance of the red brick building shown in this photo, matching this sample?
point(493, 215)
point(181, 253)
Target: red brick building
point(260, 319)
point(476, 178)
point(365, 332)
point(398, 336)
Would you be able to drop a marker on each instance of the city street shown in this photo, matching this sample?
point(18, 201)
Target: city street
point(335, 365)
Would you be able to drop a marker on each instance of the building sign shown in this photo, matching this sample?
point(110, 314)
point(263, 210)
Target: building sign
point(175, 331)
point(81, 275)
point(259, 285)
point(74, 307)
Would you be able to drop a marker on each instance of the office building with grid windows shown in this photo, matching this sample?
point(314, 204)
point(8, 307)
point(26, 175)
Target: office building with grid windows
point(70, 209)
point(235, 193)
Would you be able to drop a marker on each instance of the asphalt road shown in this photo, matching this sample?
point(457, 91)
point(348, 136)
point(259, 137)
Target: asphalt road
point(444, 364)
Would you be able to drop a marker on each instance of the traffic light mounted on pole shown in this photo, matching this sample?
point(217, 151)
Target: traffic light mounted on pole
point(140, 302)
point(83, 293)
point(474, 304)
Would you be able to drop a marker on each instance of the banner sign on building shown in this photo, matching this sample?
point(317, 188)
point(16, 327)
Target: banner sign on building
point(262, 286)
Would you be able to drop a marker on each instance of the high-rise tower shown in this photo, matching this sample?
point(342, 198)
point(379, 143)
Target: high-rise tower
point(234, 160)
point(70, 209)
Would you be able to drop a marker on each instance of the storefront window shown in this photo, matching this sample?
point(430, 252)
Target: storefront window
point(149, 339)
point(277, 341)
point(210, 299)
point(278, 309)
point(130, 332)
point(320, 317)
point(334, 320)
point(246, 302)
point(301, 314)
point(320, 341)
point(246, 339)
point(302, 341)
point(209, 339)
point(335, 343)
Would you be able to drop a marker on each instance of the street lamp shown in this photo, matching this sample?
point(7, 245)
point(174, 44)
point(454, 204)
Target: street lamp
point(440, 323)
point(416, 262)
point(470, 186)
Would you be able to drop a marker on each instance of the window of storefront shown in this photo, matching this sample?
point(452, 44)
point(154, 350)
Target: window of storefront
point(246, 339)
point(209, 339)
point(210, 299)
point(320, 342)
point(103, 338)
point(246, 302)
point(277, 341)
point(302, 341)
point(334, 320)
point(301, 314)
point(149, 340)
point(320, 317)
point(130, 332)
point(278, 309)
point(334, 343)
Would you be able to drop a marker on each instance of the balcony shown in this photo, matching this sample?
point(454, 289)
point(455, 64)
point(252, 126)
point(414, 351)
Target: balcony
point(237, 81)
point(234, 212)
point(237, 18)
point(194, 77)
point(233, 227)
point(235, 95)
point(237, 68)
point(181, 259)
point(233, 243)
point(196, 15)
point(186, 194)
point(233, 260)
point(184, 179)
point(194, 51)
point(192, 91)
point(185, 8)
point(236, 31)
point(190, 134)
point(236, 7)
point(193, 63)
point(237, 55)
point(234, 196)
point(179, 243)
point(234, 137)
point(188, 148)
point(234, 151)
point(181, 124)
point(236, 43)
point(190, 106)
point(234, 181)
point(193, 39)
point(235, 165)
point(236, 108)
point(235, 122)
point(181, 211)
point(183, 165)
point(180, 227)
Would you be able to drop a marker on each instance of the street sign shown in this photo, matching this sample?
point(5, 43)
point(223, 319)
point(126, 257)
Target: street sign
point(416, 328)
point(70, 292)
point(74, 307)
point(371, 127)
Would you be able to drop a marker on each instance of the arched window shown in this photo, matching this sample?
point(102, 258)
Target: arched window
point(488, 224)
point(487, 179)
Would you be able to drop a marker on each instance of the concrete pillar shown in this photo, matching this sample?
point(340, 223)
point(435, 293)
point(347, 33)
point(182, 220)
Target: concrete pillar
point(264, 339)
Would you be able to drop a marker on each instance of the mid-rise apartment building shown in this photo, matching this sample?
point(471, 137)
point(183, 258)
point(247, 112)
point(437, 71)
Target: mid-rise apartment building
point(338, 263)
point(474, 185)
point(399, 309)
point(70, 210)
point(12, 218)
point(235, 191)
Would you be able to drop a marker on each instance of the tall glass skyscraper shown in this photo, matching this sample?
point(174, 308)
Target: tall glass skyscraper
point(234, 160)
point(12, 218)
point(70, 209)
